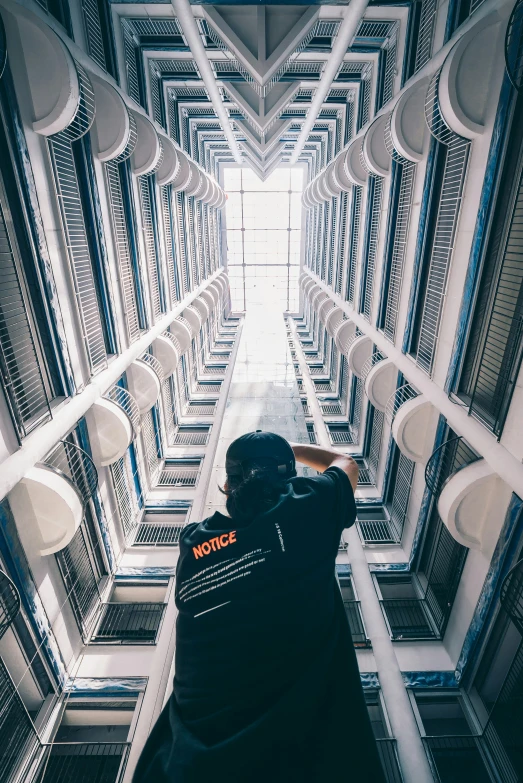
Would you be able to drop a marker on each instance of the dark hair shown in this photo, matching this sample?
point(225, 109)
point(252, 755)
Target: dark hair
point(252, 494)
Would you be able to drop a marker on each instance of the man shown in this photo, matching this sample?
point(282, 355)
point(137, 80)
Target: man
point(266, 685)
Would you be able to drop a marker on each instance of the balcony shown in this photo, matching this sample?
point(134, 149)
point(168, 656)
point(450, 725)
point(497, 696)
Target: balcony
point(49, 502)
point(167, 350)
point(413, 419)
point(103, 762)
point(472, 499)
point(113, 423)
point(132, 623)
point(145, 376)
point(408, 619)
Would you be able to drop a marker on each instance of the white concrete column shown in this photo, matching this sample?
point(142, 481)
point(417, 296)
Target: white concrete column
point(413, 760)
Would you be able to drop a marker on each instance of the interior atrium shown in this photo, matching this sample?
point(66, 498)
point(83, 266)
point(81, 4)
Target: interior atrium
point(306, 219)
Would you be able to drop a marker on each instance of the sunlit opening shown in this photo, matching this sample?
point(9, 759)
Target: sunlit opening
point(263, 237)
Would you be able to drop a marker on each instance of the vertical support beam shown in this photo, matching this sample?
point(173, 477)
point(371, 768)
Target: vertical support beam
point(353, 16)
point(413, 760)
point(187, 21)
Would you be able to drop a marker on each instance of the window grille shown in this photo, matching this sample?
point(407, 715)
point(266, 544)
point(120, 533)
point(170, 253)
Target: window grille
point(376, 531)
point(123, 249)
point(67, 761)
point(155, 80)
point(179, 200)
point(129, 623)
point(19, 738)
point(158, 534)
point(180, 473)
point(356, 406)
point(454, 154)
point(145, 184)
point(425, 33)
point(128, 498)
point(169, 409)
point(375, 442)
point(331, 408)
point(375, 190)
point(407, 618)
point(24, 373)
point(81, 578)
point(390, 70)
point(355, 220)
point(404, 184)
point(73, 222)
point(200, 408)
point(151, 447)
point(97, 29)
point(311, 433)
point(130, 44)
point(399, 492)
point(495, 344)
point(191, 436)
point(342, 247)
point(340, 434)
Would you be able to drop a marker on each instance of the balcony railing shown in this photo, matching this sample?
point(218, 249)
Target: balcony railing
point(511, 595)
point(374, 358)
point(445, 461)
point(357, 629)
point(127, 403)
point(457, 758)
point(188, 437)
point(388, 754)
point(72, 461)
point(154, 364)
point(154, 534)
point(407, 618)
point(67, 762)
point(129, 623)
point(398, 398)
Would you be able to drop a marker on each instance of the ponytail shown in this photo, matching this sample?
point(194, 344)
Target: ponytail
point(257, 492)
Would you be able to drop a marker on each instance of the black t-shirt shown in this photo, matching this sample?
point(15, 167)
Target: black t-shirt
point(266, 680)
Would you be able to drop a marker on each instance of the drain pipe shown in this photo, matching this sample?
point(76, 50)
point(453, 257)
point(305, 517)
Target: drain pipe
point(351, 20)
point(188, 24)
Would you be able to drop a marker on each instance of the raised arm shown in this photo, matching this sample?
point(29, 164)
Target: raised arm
point(320, 459)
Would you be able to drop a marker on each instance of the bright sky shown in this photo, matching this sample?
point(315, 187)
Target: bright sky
point(263, 236)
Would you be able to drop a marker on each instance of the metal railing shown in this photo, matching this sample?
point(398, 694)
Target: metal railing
point(331, 408)
point(511, 595)
point(388, 753)
point(155, 534)
point(340, 435)
point(374, 358)
point(311, 433)
point(200, 408)
point(407, 618)
point(457, 757)
point(154, 364)
point(445, 461)
point(357, 629)
point(514, 46)
point(377, 531)
point(188, 437)
point(72, 461)
point(65, 762)
point(174, 476)
point(127, 403)
point(18, 737)
point(9, 603)
point(132, 623)
point(399, 397)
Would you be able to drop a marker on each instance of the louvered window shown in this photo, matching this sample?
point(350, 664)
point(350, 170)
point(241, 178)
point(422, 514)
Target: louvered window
point(192, 242)
point(403, 185)
point(123, 248)
point(20, 742)
point(495, 342)
point(67, 152)
point(98, 29)
point(81, 574)
point(425, 33)
point(398, 492)
point(354, 238)
point(148, 203)
point(180, 473)
point(372, 234)
point(159, 534)
point(373, 438)
point(191, 436)
point(152, 445)
point(342, 243)
point(132, 62)
point(356, 404)
point(27, 357)
point(126, 484)
point(179, 201)
point(451, 156)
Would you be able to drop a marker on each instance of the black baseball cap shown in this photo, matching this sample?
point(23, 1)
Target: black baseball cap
point(264, 449)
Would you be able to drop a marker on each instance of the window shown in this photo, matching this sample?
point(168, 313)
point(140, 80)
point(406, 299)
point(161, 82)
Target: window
point(404, 608)
point(133, 614)
point(263, 236)
point(28, 357)
point(160, 528)
point(353, 611)
point(495, 342)
point(99, 33)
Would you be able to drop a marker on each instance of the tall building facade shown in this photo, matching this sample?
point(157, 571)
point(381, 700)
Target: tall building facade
point(220, 217)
